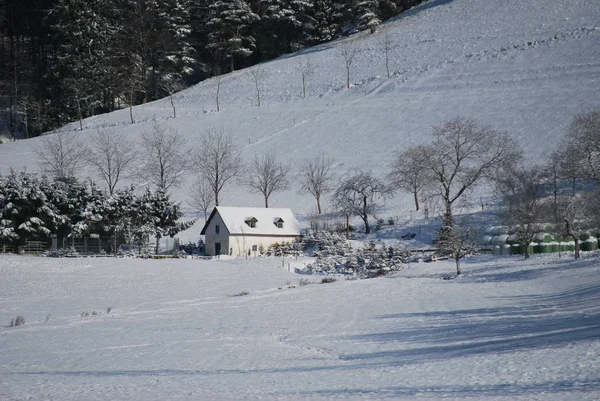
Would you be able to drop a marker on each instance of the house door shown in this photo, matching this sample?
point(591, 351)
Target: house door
point(217, 248)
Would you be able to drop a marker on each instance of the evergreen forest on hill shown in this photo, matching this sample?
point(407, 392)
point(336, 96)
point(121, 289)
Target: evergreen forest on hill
point(63, 60)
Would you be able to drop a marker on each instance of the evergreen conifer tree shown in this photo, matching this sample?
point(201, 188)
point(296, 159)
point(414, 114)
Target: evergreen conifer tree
point(230, 25)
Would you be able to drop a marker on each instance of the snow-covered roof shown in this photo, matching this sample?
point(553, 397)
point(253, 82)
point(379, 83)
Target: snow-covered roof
point(266, 220)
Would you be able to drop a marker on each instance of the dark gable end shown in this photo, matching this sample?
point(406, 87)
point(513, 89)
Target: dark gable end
point(212, 214)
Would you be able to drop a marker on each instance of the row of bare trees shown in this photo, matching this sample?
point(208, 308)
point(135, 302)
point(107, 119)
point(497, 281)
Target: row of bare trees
point(305, 67)
point(462, 155)
point(562, 193)
point(163, 159)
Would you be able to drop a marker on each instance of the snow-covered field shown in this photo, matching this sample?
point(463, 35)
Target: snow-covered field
point(506, 330)
point(525, 67)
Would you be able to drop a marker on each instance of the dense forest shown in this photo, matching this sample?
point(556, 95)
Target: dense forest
point(63, 60)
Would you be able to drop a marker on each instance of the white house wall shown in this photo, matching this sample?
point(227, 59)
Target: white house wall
point(239, 245)
point(211, 237)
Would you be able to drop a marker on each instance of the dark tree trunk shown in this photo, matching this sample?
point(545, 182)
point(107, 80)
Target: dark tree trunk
point(416, 201)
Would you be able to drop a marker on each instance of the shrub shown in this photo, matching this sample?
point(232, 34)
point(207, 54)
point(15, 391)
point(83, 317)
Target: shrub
point(86, 314)
point(328, 280)
point(18, 321)
point(370, 261)
point(241, 294)
point(108, 309)
point(303, 281)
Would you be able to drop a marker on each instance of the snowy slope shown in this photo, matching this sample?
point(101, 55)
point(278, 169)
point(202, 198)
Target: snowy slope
point(525, 67)
point(507, 330)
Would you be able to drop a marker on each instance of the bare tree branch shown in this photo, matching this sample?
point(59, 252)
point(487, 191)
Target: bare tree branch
point(463, 154)
point(409, 172)
point(348, 51)
point(267, 175)
point(257, 74)
point(112, 157)
point(523, 197)
point(315, 177)
point(358, 194)
point(218, 160)
point(61, 155)
point(166, 157)
point(387, 46)
point(202, 196)
point(306, 69)
point(171, 86)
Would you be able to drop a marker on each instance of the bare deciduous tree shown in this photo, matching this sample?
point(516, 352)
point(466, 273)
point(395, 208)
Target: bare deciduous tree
point(267, 175)
point(202, 196)
point(78, 87)
point(573, 219)
point(387, 46)
point(166, 157)
point(583, 142)
point(522, 190)
point(112, 156)
point(218, 160)
point(409, 172)
point(315, 177)
point(348, 51)
point(358, 194)
point(218, 80)
point(306, 69)
point(171, 86)
point(462, 155)
point(457, 243)
point(257, 74)
point(134, 83)
point(61, 155)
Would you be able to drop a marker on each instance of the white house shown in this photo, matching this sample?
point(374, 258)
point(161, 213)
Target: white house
point(241, 231)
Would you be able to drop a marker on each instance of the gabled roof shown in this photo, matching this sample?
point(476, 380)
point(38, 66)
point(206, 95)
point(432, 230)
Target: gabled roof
point(235, 220)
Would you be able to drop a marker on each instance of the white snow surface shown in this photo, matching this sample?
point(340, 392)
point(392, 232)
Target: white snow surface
point(524, 67)
point(507, 329)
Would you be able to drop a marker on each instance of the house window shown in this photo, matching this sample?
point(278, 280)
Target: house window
point(278, 221)
point(254, 248)
point(279, 224)
point(251, 221)
point(217, 229)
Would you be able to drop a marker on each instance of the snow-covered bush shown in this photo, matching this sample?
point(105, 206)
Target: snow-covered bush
point(285, 249)
point(325, 243)
point(180, 254)
point(368, 261)
point(68, 252)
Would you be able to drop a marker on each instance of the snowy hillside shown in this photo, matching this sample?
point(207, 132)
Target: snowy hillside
point(507, 330)
point(523, 67)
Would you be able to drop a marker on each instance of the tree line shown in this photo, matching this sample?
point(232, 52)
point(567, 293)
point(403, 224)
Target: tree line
point(462, 155)
point(64, 60)
point(561, 194)
point(32, 208)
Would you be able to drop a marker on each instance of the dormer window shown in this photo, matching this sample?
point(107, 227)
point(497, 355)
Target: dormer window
point(278, 221)
point(251, 221)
